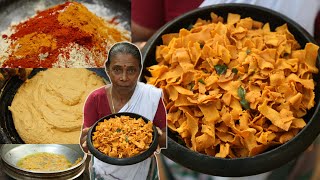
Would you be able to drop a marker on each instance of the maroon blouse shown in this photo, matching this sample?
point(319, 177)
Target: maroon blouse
point(97, 106)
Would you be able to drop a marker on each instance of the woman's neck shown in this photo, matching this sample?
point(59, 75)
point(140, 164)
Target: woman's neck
point(121, 96)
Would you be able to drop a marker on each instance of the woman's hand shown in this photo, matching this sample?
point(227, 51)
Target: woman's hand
point(83, 140)
point(162, 139)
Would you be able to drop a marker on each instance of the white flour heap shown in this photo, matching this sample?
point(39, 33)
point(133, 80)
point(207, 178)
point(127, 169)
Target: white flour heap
point(4, 46)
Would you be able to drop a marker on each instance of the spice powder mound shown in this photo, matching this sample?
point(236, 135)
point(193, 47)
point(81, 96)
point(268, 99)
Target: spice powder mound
point(66, 35)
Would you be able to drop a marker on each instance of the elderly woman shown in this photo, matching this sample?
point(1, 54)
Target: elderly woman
point(124, 94)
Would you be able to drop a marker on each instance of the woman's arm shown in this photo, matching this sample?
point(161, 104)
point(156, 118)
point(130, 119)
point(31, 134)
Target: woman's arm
point(89, 117)
point(90, 114)
point(160, 121)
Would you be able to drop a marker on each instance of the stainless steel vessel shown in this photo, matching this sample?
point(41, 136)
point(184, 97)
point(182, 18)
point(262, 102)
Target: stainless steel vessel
point(12, 153)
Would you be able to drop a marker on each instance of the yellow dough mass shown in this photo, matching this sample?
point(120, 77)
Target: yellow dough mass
point(48, 108)
point(44, 162)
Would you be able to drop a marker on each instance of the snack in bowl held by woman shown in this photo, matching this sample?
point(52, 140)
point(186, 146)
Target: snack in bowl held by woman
point(124, 94)
point(122, 136)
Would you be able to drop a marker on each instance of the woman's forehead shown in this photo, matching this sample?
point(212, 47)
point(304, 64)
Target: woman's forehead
point(124, 60)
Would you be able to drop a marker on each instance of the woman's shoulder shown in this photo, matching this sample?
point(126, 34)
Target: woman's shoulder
point(98, 92)
point(148, 86)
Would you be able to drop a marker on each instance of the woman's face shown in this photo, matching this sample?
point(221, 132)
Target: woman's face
point(124, 71)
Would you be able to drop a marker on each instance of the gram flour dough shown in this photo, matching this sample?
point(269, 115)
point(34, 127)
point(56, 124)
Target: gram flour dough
point(48, 108)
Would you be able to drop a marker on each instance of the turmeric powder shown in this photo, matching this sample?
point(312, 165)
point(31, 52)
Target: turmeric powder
point(32, 44)
point(48, 39)
point(77, 16)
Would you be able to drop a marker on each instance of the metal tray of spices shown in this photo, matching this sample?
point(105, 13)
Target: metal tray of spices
point(14, 11)
point(62, 33)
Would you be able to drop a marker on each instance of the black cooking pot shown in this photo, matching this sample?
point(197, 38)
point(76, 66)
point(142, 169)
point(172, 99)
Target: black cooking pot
point(122, 161)
point(263, 162)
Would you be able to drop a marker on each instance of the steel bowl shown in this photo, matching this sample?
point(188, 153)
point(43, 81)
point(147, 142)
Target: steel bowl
point(269, 160)
point(12, 153)
point(122, 161)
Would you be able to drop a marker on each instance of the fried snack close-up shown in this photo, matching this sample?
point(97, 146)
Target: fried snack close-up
point(123, 136)
point(65, 35)
point(47, 107)
point(233, 88)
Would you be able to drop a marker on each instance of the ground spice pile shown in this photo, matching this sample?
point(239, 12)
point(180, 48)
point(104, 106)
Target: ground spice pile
point(66, 35)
